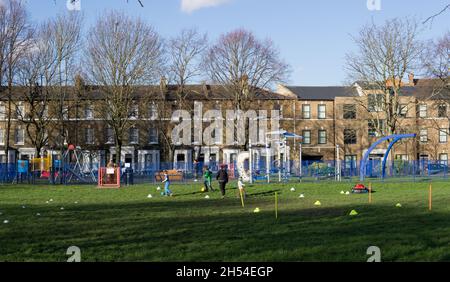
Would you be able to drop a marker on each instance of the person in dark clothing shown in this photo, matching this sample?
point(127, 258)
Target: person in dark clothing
point(222, 177)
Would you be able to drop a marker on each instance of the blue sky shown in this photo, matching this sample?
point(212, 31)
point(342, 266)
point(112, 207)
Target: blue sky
point(312, 35)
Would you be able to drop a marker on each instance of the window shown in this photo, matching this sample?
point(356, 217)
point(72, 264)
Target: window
point(423, 111)
point(350, 161)
point(443, 133)
point(110, 136)
point(45, 111)
point(20, 111)
point(350, 136)
point(134, 135)
point(134, 111)
point(306, 110)
point(278, 108)
point(375, 102)
point(349, 111)
point(65, 112)
point(322, 111)
point(89, 112)
point(402, 110)
point(2, 136)
point(306, 136)
point(89, 135)
point(322, 137)
point(401, 157)
point(424, 135)
point(443, 159)
point(375, 127)
point(19, 136)
point(442, 111)
point(153, 112)
point(2, 112)
point(153, 135)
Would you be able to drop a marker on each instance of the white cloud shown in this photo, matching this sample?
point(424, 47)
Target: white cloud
point(189, 6)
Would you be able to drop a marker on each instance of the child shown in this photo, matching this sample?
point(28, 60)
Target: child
point(207, 179)
point(241, 189)
point(166, 182)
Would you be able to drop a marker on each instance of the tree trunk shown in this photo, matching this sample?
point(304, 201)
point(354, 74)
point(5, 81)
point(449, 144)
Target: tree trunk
point(8, 131)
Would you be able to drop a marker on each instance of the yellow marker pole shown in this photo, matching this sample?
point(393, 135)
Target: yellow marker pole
point(430, 197)
point(242, 198)
point(276, 205)
point(370, 193)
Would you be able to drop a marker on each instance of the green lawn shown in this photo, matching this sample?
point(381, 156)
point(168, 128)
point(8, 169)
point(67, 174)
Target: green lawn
point(125, 225)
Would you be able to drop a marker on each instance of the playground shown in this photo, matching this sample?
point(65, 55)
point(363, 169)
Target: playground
point(40, 222)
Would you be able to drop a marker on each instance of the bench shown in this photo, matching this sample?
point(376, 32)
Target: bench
point(174, 175)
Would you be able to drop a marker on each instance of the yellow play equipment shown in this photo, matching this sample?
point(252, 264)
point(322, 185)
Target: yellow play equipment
point(42, 164)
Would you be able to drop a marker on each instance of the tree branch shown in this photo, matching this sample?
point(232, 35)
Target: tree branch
point(435, 15)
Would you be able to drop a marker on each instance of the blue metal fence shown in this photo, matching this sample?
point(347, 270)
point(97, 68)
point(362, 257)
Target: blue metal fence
point(309, 171)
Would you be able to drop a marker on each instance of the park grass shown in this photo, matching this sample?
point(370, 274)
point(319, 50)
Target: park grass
point(124, 225)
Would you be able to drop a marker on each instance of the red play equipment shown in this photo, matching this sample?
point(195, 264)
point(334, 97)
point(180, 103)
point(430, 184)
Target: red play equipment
point(359, 189)
point(108, 177)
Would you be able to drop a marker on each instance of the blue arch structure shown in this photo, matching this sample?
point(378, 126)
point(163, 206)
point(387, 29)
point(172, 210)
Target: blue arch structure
point(395, 139)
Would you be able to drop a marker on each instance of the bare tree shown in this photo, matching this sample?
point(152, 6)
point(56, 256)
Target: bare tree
point(122, 53)
point(63, 42)
point(242, 64)
point(185, 52)
point(14, 38)
point(436, 67)
point(386, 55)
point(431, 18)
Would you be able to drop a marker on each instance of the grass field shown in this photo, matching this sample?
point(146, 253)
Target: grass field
point(125, 225)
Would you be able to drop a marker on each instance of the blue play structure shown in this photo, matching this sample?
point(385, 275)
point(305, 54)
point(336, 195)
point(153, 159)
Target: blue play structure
point(395, 138)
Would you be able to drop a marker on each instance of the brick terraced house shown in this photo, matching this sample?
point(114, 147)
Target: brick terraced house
point(327, 117)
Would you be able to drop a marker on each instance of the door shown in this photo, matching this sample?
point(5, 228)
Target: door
point(128, 160)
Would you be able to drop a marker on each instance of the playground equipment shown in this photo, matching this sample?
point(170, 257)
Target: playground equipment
point(76, 166)
point(109, 177)
point(360, 189)
point(283, 164)
point(395, 138)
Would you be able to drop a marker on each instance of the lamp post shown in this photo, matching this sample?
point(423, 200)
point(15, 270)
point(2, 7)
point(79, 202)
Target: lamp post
point(267, 160)
point(300, 159)
point(250, 161)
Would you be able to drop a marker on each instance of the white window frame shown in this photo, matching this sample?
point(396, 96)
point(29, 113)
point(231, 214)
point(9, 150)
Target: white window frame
point(423, 110)
point(134, 110)
point(89, 112)
point(153, 111)
point(2, 111)
point(304, 115)
point(2, 136)
point(423, 136)
point(20, 111)
point(89, 140)
point(322, 114)
point(443, 135)
point(110, 137)
point(16, 136)
point(306, 137)
point(150, 135)
point(133, 136)
point(319, 137)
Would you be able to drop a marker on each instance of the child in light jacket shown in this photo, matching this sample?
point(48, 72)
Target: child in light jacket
point(166, 181)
